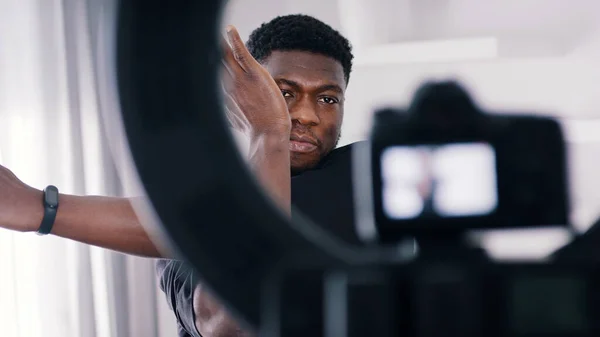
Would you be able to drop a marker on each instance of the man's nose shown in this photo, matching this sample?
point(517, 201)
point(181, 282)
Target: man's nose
point(305, 113)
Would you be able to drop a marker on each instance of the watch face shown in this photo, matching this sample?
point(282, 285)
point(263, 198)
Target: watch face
point(51, 196)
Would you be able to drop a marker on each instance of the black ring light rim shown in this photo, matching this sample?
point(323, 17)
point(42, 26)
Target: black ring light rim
point(168, 95)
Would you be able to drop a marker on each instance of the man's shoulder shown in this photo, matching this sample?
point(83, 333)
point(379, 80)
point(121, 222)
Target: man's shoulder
point(325, 194)
point(341, 155)
point(349, 147)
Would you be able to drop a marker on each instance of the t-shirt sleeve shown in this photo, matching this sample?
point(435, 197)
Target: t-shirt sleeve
point(177, 281)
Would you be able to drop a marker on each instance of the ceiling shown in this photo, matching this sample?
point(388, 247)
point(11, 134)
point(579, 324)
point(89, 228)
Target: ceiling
point(523, 28)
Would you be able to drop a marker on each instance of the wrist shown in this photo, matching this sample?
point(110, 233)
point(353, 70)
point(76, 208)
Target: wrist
point(272, 140)
point(35, 214)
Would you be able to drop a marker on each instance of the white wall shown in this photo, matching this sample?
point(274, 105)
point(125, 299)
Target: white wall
point(568, 89)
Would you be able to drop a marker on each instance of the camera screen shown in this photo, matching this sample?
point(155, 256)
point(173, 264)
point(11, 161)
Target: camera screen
point(448, 180)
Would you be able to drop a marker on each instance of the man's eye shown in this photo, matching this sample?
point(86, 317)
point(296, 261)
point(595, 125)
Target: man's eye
point(328, 100)
point(286, 93)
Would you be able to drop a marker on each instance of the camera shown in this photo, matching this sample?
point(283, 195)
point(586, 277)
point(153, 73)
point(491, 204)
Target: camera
point(444, 165)
point(432, 173)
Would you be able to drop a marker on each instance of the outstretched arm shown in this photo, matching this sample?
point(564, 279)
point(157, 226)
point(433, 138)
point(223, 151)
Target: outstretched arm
point(104, 222)
point(100, 221)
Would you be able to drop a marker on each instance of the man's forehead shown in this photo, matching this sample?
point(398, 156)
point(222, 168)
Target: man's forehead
point(301, 65)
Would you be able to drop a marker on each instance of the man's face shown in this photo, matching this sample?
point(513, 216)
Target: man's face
point(313, 86)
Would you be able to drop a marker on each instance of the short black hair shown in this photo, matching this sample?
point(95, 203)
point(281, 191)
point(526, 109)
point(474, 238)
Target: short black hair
point(300, 32)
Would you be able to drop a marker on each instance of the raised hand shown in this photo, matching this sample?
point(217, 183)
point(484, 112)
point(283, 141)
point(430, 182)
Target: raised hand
point(254, 103)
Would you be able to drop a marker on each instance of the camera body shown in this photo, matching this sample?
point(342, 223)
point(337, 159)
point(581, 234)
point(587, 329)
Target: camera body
point(444, 165)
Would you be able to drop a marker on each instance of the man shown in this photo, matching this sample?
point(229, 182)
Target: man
point(286, 88)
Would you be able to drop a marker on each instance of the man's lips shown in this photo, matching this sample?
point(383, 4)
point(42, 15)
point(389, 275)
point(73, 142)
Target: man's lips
point(301, 147)
point(302, 144)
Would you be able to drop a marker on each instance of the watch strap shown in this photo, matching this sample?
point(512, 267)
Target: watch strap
point(47, 221)
point(50, 203)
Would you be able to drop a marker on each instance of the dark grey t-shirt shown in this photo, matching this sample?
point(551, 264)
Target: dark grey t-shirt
point(324, 194)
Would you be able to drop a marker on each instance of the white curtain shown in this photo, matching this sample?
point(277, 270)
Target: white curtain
point(51, 133)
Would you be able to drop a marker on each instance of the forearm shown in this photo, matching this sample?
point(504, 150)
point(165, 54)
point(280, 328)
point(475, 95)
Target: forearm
point(106, 222)
point(269, 159)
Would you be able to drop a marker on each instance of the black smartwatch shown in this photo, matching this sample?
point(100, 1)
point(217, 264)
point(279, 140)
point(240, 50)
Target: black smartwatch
point(50, 203)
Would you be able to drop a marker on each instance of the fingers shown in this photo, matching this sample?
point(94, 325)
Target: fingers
point(239, 50)
point(229, 60)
